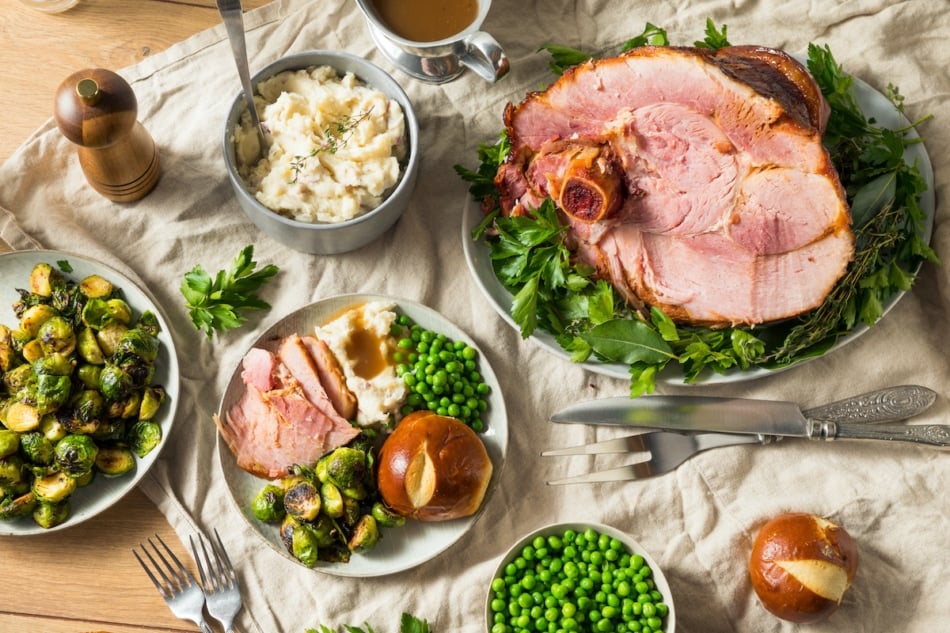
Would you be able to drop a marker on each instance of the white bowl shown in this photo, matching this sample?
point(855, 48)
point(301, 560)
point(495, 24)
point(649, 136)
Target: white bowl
point(104, 491)
point(338, 237)
point(559, 529)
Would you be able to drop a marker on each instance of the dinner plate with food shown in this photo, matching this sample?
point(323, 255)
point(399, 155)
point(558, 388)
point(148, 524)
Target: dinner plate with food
point(362, 434)
point(89, 388)
point(699, 214)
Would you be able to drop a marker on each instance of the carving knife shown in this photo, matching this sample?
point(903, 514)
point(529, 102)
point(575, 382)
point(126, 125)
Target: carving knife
point(859, 417)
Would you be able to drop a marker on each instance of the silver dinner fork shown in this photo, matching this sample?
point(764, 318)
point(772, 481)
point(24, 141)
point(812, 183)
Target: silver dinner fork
point(654, 452)
point(177, 586)
point(222, 592)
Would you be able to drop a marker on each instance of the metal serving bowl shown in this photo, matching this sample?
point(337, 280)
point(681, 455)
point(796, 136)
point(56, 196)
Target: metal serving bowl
point(339, 237)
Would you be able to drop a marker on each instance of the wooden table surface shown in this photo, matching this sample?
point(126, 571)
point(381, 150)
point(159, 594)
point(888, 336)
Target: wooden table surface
point(85, 579)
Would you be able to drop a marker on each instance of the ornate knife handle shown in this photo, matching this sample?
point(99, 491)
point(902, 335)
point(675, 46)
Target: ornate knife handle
point(930, 434)
point(884, 405)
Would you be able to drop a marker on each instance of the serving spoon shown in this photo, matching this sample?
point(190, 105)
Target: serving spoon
point(232, 14)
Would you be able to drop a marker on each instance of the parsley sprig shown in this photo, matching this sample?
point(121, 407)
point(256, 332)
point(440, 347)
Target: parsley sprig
point(407, 624)
point(589, 319)
point(215, 305)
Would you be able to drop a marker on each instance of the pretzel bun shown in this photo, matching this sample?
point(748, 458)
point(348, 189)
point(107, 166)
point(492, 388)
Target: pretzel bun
point(433, 468)
point(801, 566)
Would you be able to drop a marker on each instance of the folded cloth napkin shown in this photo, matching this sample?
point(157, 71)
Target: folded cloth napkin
point(698, 521)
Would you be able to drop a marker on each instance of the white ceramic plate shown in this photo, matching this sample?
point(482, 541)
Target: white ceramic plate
point(103, 492)
point(399, 548)
point(558, 529)
point(873, 103)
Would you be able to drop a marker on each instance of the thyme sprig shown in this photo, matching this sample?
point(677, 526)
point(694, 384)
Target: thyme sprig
point(334, 137)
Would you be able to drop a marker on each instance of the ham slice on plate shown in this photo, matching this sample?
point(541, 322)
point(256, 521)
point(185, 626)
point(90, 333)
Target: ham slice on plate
point(694, 180)
point(284, 417)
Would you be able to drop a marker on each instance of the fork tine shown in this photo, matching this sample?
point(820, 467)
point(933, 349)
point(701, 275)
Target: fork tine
point(628, 444)
point(161, 588)
point(184, 578)
point(629, 472)
point(227, 570)
point(201, 564)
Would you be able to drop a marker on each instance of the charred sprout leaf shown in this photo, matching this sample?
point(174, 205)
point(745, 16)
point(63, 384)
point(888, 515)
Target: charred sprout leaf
point(217, 304)
point(75, 454)
point(714, 39)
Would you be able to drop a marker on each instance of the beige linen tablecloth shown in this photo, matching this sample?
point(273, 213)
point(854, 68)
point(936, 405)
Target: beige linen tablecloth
point(697, 521)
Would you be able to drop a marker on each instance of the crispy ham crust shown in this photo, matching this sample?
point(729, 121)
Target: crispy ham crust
point(694, 180)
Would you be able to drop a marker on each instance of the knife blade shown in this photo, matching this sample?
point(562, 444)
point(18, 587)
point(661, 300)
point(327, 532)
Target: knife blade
point(749, 416)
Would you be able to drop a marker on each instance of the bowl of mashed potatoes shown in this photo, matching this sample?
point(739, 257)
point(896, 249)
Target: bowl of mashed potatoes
point(341, 155)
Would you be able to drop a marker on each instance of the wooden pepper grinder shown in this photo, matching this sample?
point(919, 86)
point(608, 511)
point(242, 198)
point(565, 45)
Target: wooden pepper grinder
point(96, 109)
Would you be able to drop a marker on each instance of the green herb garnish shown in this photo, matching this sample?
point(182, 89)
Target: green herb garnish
point(407, 624)
point(589, 318)
point(216, 304)
point(334, 138)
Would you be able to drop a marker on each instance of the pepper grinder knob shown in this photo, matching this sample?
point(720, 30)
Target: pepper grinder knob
point(96, 109)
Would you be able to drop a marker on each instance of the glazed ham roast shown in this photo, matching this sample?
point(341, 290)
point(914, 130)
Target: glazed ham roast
point(287, 414)
point(694, 180)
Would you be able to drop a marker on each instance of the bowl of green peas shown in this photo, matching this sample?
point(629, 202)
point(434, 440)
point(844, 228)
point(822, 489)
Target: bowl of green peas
point(583, 577)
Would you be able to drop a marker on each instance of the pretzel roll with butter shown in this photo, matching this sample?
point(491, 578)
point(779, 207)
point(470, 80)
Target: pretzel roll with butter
point(433, 468)
point(801, 566)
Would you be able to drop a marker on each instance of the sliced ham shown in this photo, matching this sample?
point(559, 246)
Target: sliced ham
point(331, 376)
point(693, 180)
point(270, 430)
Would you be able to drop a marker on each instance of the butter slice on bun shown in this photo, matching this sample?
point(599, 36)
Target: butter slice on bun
point(801, 566)
point(433, 468)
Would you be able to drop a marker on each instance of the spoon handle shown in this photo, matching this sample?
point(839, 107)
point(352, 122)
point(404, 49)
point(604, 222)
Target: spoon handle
point(233, 17)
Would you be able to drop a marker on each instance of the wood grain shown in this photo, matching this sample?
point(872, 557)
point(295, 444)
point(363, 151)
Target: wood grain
point(85, 579)
point(39, 50)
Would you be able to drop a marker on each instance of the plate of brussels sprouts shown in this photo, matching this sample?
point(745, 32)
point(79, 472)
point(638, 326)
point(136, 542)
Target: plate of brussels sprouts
point(328, 515)
point(88, 388)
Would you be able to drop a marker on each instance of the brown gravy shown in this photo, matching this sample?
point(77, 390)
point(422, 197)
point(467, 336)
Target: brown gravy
point(426, 20)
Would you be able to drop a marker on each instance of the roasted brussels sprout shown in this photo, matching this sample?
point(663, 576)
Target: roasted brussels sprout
point(138, 342)
point(88, 374)
point(53, 487)
point(52, 392)
point(304, 545)
point(268, 504)
point(114, 460)
point(96, 287)
point(152, 398)
point(34, 317)
point(48, 515)
point(8, 353)
point(109, 336)
point(385, 517)
point(302, 500)
point(21, 417)
point(52, 428)
point(115, 383)
point(346, 467)
point(88, 405)
point(16, 506)
point(42, 278)
point(144, 436)
point(88, 346)
point(11, 471)
point(331, 499)
point(9, 442)
point(37, 448)
point(75, 454)
point(56, 336)
point(365, 535)
point(18, 378)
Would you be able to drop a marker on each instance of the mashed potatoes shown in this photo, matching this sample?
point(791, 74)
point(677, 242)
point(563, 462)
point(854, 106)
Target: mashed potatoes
point(361, 341)
point(335, 145)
